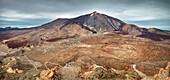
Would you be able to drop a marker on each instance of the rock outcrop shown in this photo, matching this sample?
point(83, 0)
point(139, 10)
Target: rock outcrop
point(48, 74)
point(163, 73)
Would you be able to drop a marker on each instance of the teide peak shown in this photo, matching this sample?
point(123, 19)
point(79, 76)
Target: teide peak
point(96, 23)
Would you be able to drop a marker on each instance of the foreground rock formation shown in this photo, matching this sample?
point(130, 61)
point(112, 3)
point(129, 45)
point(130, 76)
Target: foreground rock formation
point(72, 71)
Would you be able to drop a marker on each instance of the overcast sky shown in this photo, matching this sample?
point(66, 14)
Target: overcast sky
point(27, 13)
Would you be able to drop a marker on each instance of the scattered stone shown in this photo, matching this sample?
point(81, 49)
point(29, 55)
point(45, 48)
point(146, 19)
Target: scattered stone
point(10, 70)
point(47, 74)
point(13, 58)
point(84, 45)
point(87, 74)
point(4, 41)
point(26, 48)
point(19, 71)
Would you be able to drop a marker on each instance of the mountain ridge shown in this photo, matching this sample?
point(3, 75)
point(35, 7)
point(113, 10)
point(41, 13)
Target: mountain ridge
point(93, 23)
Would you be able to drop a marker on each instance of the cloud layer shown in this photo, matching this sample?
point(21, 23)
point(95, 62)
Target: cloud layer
point(36, 12)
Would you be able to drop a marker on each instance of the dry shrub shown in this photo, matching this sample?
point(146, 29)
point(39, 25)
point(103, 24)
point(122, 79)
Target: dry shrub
point(70, 72)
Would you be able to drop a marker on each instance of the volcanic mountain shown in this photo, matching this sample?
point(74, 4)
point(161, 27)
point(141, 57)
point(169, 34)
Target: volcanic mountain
point(93, 23)
point(72, 47)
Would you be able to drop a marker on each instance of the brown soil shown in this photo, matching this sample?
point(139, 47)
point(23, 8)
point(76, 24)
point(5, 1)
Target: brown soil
point(113, 50)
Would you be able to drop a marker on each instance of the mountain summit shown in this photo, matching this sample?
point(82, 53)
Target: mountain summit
point(89, 23)
point(96, 23)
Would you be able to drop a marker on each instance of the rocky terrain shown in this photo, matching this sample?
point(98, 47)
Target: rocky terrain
point(89, 47)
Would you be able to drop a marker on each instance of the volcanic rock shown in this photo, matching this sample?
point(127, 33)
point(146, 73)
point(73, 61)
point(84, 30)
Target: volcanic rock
point(163, 73)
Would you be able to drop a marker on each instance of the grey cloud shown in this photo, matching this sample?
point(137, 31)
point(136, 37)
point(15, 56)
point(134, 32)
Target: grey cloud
point(57, 8)
point(69, 6)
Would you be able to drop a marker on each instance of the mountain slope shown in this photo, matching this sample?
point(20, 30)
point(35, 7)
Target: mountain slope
point(97, 23)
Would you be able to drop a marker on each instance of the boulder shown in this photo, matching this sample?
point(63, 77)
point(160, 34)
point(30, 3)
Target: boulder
point(10, 70)
point(47, 74)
